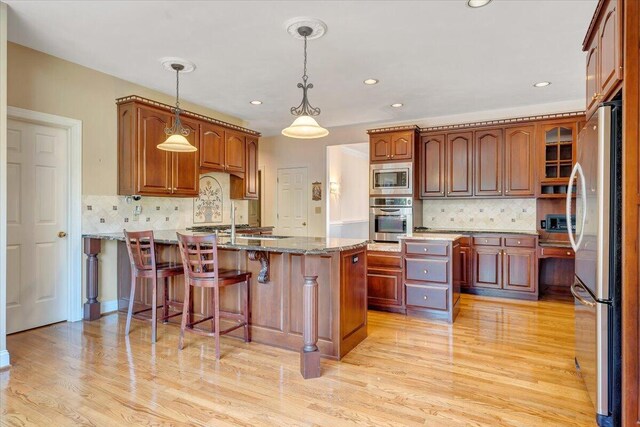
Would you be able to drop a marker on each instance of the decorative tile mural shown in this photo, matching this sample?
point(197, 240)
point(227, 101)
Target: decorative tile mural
point(207, 208)
point(480, 214)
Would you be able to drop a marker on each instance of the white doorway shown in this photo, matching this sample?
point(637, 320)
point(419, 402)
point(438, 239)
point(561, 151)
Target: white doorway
point(292, 202)
point(43, 220)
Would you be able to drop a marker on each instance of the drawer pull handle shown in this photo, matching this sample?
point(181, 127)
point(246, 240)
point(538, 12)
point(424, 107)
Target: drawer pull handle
point(426, 271)
point(568, 253)
point(518, 241)
point(486, 241)
point(425, 249)
point(425, 297)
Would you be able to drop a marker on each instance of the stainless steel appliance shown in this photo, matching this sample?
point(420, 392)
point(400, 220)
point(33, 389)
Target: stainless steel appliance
point(597, 245)
point(390, 217)
point(391, 179)
point(557, 223)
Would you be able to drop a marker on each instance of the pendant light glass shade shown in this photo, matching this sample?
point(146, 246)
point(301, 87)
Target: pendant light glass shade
point(305, 127)
point(178, 144)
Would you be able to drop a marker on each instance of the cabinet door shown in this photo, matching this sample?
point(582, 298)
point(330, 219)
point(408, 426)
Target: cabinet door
point(487, 267)
point(211, 147)
point(154, 165)
point(402, 146)
point(432, 166)
point(488, 162)
point(234, 151)
point(519, 269)
point(519, 160)
point(384, 287)
point(459, 164)
point(610, 50)
point(380, 147)
point(185, 166)
point(251, 169)
point(592, 77)
point(465, 271)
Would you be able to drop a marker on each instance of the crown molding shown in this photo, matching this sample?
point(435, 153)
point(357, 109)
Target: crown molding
point(393, 129)
point(514, 120)
point(184, 113)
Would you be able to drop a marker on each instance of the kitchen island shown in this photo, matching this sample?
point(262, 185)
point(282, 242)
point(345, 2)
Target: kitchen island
point(307, 294)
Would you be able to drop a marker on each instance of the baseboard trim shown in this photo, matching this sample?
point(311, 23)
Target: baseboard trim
point(4, 359)
point(108, 306)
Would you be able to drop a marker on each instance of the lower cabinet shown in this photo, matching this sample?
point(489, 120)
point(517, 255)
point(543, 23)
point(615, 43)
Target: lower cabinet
point(505, 266)
point(384, 281)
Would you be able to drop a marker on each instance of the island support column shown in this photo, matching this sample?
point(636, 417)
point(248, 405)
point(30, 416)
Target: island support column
point(92, 306)
point(310, 355)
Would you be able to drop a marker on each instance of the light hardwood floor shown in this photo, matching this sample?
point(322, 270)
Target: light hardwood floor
point(503, 362)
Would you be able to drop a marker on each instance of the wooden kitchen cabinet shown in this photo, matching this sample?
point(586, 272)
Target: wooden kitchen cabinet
point(487, 267)
point(385, 290)
point(603, 44)
point(488, 153)
point(519, 272)
point(519, 161)
point(234, 151)
point(392, 145)
point(432, 175)
point(212, 152)
point(466, 262)
point(145, 170)
point(460, 164)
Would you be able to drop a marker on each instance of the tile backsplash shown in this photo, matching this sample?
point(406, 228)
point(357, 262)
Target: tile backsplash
point(480, 214)
point(110, 214)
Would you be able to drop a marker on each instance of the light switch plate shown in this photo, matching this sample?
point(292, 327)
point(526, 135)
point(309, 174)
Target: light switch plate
point(318, 209)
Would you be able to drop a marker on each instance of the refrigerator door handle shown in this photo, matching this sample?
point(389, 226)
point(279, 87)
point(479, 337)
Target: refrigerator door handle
point(577, 171)
point(577, 296)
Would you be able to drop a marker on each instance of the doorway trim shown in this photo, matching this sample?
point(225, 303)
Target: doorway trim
point(74, 204)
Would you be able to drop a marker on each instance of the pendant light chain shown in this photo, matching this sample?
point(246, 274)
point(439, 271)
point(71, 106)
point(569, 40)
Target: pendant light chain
point(304, 75)
point(177, 127)
point(305, 108)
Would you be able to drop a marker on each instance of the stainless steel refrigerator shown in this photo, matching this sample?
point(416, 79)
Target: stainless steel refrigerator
point(597, 245)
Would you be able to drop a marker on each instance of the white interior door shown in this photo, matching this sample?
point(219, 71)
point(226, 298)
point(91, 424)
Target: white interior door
point(37, 265)
point(293, 194)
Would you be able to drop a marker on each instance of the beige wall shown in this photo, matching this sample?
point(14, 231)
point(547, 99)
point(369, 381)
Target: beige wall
point(47, 84)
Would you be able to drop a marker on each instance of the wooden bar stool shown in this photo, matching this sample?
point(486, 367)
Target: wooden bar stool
point(142, 255)
point(200, 260)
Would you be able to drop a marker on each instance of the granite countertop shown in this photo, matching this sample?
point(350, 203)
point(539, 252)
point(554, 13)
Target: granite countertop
point(473, 232)
point(436, 235)
point(298, 245)
point(384, 247)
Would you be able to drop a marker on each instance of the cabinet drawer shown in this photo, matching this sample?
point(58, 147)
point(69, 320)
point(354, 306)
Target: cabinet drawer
point(486, 241)
point(428, 270)
point(547, 252)
point(427, 248)
point(384, 260)
point(427, 296)
point(520, 242)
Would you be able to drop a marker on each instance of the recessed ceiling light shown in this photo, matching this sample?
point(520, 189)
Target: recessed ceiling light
point(477, 3)
point(541, 84)
point(256, 102)
point(371, 81)
point(397, 105)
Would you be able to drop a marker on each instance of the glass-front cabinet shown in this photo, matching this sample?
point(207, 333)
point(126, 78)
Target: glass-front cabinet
point(558, 156)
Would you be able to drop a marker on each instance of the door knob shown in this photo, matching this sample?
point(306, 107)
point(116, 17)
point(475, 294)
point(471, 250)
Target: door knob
point(62, 234)
point(304, 223)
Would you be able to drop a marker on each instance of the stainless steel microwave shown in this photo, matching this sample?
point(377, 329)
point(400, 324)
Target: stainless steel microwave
point(388, 179)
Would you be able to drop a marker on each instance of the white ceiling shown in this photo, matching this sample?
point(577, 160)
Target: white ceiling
point(437, 57)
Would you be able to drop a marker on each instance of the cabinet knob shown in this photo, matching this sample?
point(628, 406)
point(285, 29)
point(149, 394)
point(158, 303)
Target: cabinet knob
point(425, 249)
point(486, 241)
point(392, 156)
point(424, 297)
point(518, 241)
point(426, 271)
point(506, 191)
point(568, 253)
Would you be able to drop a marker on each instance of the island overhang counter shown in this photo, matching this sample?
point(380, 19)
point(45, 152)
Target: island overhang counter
point(307, 294)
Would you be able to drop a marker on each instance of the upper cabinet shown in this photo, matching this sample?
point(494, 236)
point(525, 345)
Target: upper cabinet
point(392, 146)
point(143, 169)
point(459, 164)
point(488, 151)
point(519, 161)
point(557, 156)
point(603, 45)
point(431, 165)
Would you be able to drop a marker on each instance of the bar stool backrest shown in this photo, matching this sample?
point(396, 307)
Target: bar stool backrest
point(199, 256)
point(142, 249)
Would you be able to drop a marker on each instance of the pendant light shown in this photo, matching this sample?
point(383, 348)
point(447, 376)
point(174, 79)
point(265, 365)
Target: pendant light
point(305, 126)
point(176, 135)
